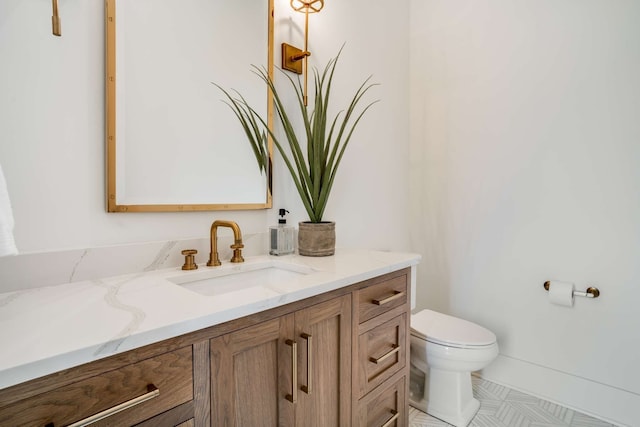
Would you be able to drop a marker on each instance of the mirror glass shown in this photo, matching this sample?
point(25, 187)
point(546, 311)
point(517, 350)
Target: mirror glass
point(172, 144)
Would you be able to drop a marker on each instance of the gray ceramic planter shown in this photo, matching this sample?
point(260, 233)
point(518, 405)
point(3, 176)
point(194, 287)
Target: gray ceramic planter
point(316, 238)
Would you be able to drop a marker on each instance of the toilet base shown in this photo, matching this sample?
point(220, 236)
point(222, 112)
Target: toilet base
point(459, 420)
point(452, 400)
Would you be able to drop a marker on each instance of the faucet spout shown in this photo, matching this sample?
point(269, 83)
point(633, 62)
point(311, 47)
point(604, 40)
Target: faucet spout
point(214, 259)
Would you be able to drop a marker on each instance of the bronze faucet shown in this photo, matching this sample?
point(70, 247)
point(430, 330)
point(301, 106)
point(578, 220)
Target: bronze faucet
point(237, 246)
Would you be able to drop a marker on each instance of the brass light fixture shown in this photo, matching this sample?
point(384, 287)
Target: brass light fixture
point(55, 20)
point(294, 59)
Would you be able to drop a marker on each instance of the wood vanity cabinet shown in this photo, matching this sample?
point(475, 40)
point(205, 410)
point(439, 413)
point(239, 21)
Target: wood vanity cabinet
point(294, 370)
point(142, 390)
point(336, 359)
point(381, 352)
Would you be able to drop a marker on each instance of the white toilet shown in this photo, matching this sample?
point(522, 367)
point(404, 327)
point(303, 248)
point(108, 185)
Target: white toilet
point(444, 352)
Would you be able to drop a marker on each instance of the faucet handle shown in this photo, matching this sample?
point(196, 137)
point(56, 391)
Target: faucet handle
point(237, 252)
point(189, 259)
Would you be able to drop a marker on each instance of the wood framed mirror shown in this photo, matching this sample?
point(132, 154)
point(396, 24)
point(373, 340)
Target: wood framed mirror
point(171, 143)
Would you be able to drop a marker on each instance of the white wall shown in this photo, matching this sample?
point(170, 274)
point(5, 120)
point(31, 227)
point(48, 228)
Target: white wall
point(525, 151)
point(52, 121)
point(370, 198)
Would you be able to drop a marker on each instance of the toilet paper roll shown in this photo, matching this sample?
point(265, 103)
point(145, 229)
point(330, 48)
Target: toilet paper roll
point(561, 293)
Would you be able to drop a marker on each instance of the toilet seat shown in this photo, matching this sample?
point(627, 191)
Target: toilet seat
point(450, 331)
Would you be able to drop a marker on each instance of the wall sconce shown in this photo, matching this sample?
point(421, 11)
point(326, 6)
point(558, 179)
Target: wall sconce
point(55, 20)
point(294, 59)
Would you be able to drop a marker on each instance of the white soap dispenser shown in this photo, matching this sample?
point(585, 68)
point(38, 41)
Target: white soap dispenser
point(281, 236)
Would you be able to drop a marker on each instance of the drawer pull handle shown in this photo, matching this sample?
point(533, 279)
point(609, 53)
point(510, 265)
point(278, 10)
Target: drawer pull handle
point(152, 391)
point(293, 397)
point(395, 296)
point(307, 388)
point(395, 348)
point(395, 415)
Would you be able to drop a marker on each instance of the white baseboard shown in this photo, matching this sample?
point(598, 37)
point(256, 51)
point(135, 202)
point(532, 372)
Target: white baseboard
point(607, 403)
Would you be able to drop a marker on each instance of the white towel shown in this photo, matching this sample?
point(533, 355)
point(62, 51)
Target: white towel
point(7, 244)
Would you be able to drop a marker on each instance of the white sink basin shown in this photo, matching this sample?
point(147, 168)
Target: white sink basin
point(258, 279)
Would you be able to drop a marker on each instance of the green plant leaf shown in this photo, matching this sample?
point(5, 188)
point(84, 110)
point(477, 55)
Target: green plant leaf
point(313, 170)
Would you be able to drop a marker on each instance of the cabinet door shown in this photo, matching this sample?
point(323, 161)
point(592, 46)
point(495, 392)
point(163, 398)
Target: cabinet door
point(251, 375)
point(323, 332)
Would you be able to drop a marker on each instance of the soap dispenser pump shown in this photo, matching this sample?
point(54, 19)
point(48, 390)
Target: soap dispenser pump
point(281, 236)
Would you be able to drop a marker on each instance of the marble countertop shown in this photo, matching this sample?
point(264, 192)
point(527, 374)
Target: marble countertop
point(48, 329)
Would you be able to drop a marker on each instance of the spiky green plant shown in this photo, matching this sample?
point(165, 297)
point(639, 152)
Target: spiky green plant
point(313, 170)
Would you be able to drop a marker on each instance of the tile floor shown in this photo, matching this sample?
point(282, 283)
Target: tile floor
point(502, 407)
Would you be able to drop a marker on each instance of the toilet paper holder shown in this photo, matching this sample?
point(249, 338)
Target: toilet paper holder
point(591, 292)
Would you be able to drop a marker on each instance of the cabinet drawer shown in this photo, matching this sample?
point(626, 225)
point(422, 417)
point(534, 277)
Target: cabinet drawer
point(380, 298)
point(381, 352)
point(170, 373)
point(385, 407)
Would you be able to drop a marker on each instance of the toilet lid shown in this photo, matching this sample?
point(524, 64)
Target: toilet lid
point(450, 331)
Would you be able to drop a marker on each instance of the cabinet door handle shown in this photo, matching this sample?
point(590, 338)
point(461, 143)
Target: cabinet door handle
point(394, 416)
point(395, 296)
point(152, 391)
point(307, 388)
point(395, 348)
point(293, 397)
